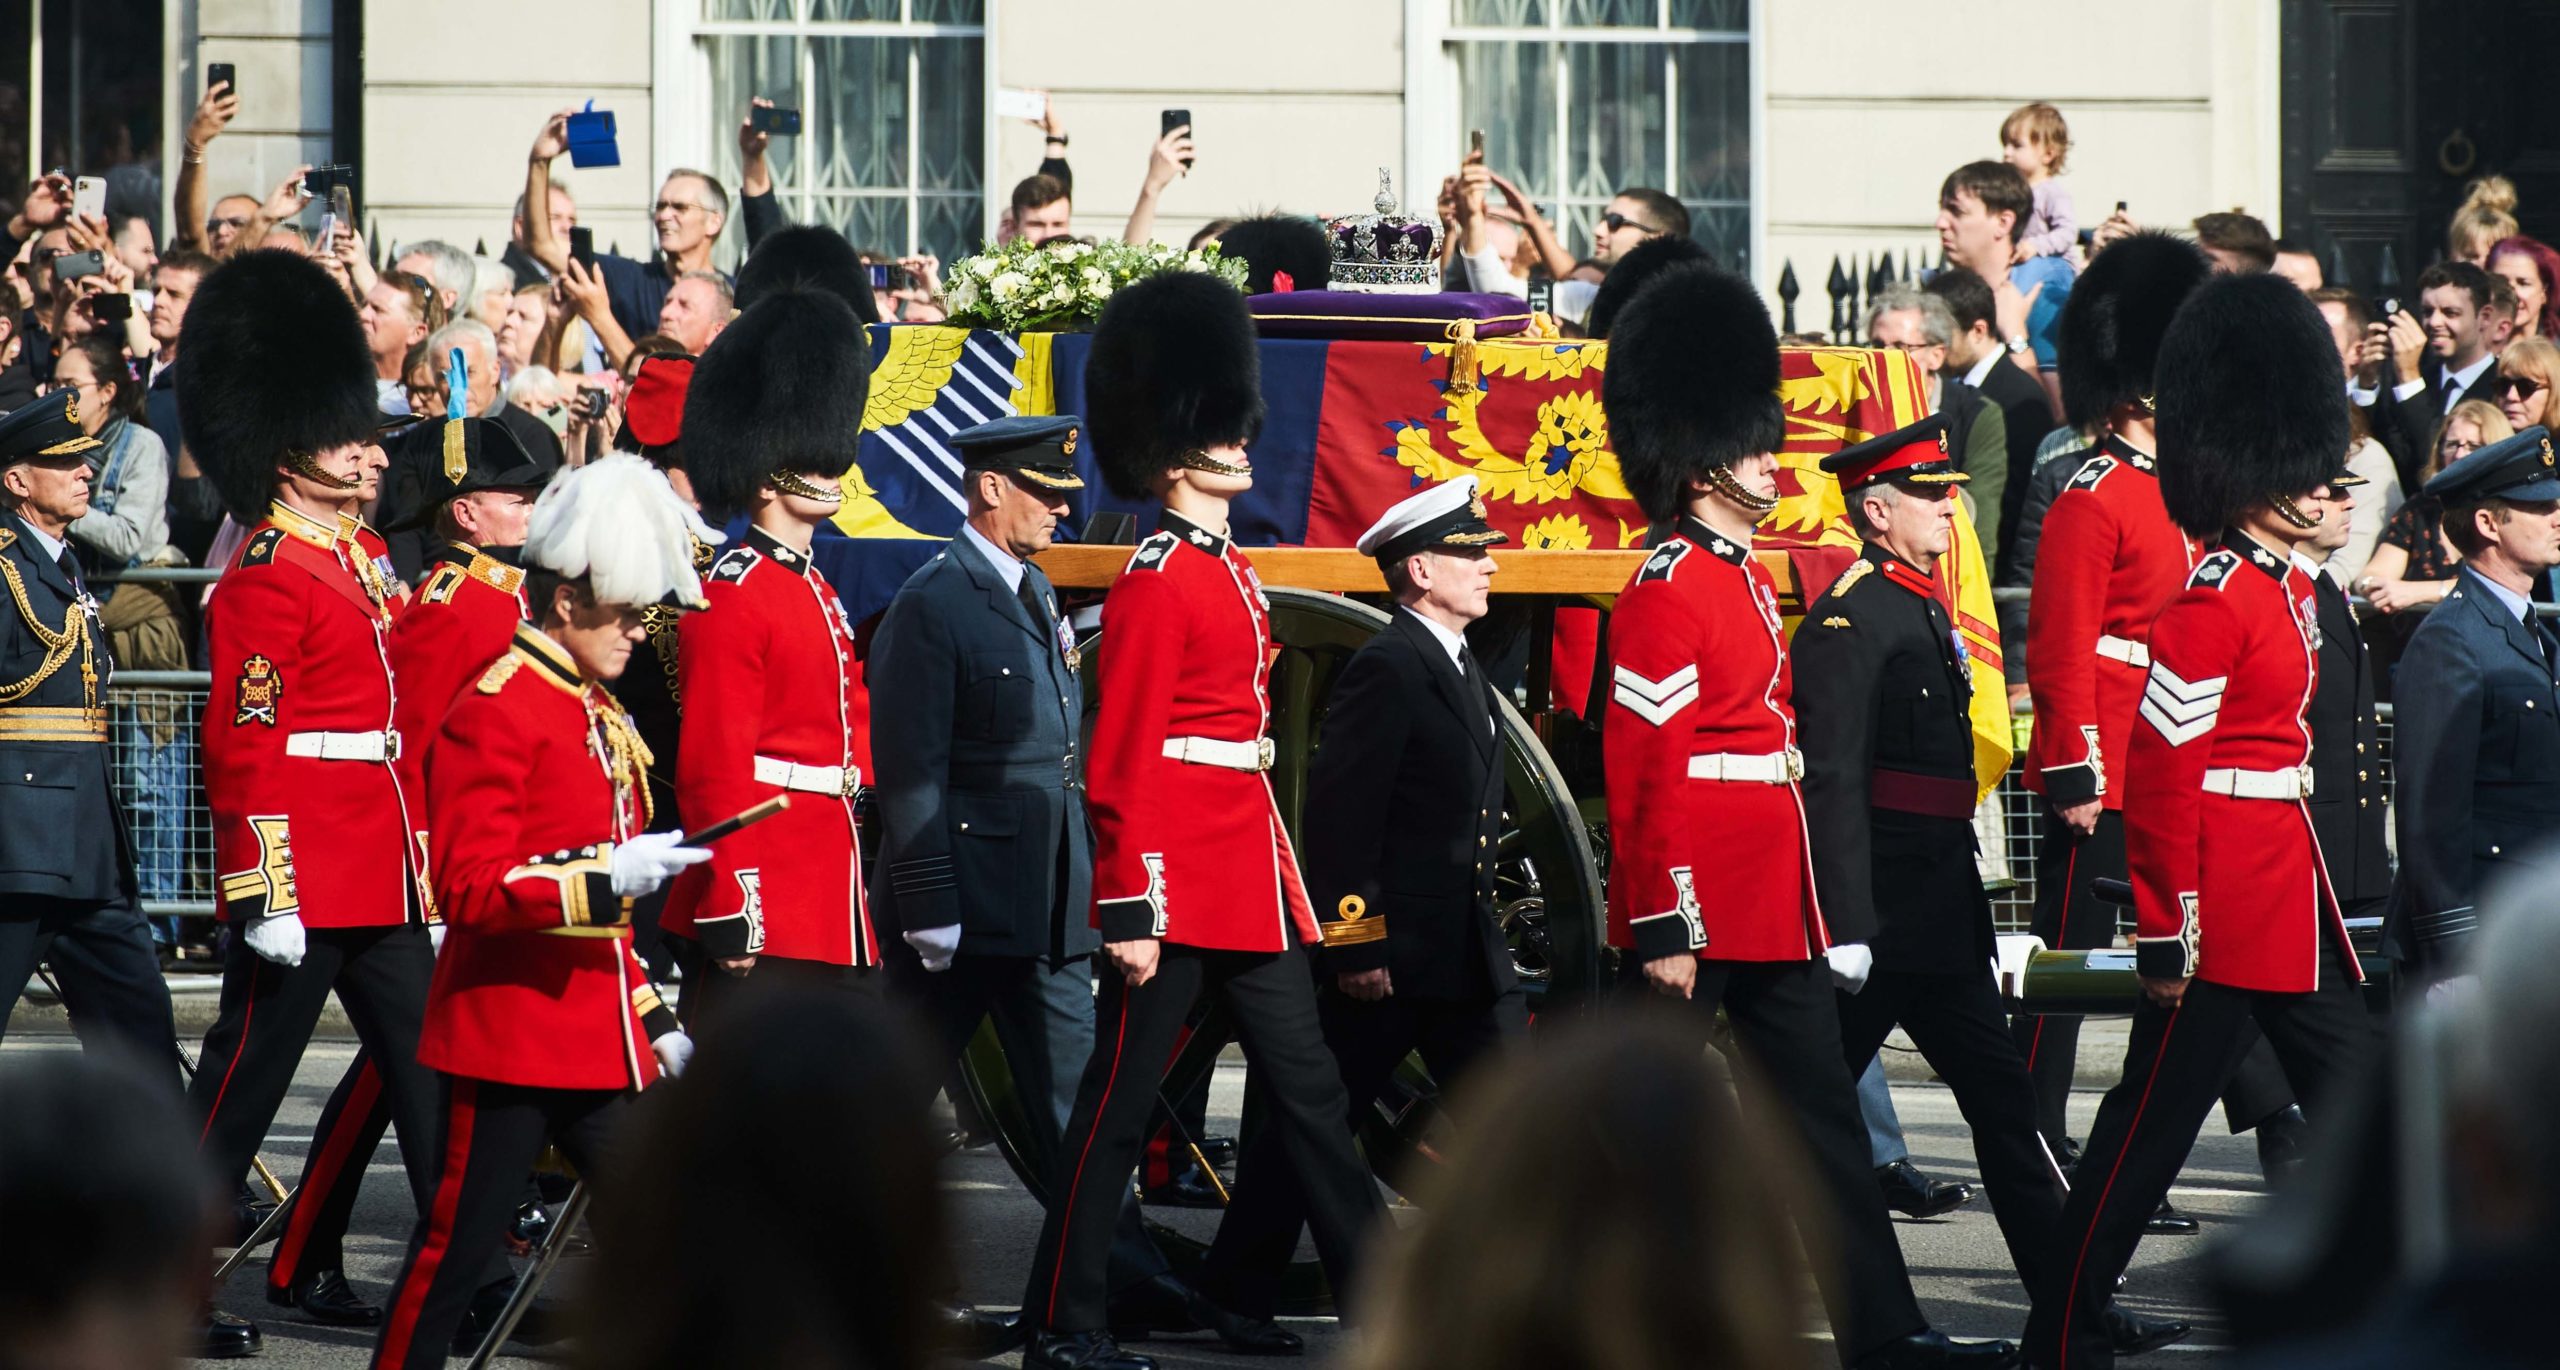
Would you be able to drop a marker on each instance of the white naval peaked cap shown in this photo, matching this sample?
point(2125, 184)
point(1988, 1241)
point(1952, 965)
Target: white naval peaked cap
point(1447, 514)
point(618, 523)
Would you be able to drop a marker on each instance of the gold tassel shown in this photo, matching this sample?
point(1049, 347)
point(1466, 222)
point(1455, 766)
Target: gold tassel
point(1462, 357)
point(457, 456)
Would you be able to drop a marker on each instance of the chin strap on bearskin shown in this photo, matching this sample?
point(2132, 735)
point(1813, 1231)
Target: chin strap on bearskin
point(1720, 478)
point(797, 483)
point(2290, 513)
point(1202, 461)
point(308, 467)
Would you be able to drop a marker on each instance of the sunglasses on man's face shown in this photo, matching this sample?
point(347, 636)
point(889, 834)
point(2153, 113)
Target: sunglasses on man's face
point(1614, 221)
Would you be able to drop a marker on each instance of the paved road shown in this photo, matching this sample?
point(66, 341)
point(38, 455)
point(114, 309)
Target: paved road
point(1958, 1262)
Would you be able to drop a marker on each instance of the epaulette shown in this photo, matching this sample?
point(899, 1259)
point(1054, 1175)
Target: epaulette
point(261, 547)
point(1858, 571)
point(440, 584)
point(703, 553)
point(2092, 471)
point(8, 538)
point(1665, 560)
point(499, 673)
point(490, 571)
point(2214, 569)
point(1151, 553)
point(733, 565)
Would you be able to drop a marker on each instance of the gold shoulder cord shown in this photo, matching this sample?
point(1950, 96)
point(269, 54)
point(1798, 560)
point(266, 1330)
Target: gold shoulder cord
point(659, 621)
point(58, 646)
point(627, 759)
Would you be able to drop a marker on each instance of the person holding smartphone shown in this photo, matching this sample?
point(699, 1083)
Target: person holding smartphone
point(691, 211)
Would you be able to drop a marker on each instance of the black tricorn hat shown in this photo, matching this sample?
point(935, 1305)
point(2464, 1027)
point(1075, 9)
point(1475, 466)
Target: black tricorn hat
point(2109, 339)
point(1279, 242)
point(450, 458)
point(271, 361)
point(807, 257)
point(781, 389)
point(2249, 401)
point(1174, 369)
point(1639, 267)
point(1692, 383)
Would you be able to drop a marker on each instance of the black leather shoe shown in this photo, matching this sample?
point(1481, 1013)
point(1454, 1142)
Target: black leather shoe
point(536, 1328)
point(1909, 1192)
point(2166, 1221)
point(2132, 1335)
point(246, 1214)
point(1190, 1189)
point(1930, 1348)
point(227, 1337)
point(1158, 1303)
point(1218, 1151)
point(975, 1334)
point(2067, 1156)
point(1080, 1351)
point(326, 1298)
point(2280, 1146)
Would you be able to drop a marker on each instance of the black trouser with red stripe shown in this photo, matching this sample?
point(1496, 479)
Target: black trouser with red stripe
point(492, 1134)
point(1272, 999)
point(266, 1018)
point(2174, 1066)
point(2071, 918)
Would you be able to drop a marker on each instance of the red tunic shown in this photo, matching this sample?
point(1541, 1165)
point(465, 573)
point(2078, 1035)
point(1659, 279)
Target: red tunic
point(295, 734)
point(2230, 888)
point(1699, 669)
point(538, 773)
point(458, 620)
point(2108, 560)
point(1189, 851)
point(771, 683)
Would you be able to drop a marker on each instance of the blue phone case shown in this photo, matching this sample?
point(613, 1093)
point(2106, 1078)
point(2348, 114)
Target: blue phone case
point(591, 140)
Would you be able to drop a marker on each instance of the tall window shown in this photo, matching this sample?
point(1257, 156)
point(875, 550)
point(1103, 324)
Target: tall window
point(1581, 98)
point(891, 147)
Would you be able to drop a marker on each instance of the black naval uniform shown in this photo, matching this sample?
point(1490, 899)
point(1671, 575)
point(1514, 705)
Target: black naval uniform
point(2350, 808)
point(1882, 686)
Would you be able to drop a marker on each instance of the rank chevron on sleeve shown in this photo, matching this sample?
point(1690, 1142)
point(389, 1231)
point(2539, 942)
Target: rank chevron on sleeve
point(1655, 701)
point(2181, 710)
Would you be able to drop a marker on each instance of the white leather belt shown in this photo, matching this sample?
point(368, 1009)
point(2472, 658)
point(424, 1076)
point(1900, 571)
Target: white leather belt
point(2126, 650)
point(840, 781)
point(2293, 783)
point(1253, 754)
point(377, 748)
point(1771, 768)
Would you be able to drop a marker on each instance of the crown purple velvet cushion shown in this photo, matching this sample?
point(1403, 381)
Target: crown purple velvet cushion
point(1364, 316)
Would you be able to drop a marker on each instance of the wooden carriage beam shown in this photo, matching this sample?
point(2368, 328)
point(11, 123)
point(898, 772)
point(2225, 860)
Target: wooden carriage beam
point(1523, 571)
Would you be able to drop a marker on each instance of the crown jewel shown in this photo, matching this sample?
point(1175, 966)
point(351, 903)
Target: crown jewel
point(1386, 252)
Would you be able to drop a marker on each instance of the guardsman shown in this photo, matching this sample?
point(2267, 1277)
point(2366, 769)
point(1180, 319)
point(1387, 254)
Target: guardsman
point(1195, 888)
point(465, 610)
point(1882, 690)
point(543, 1026)
point(1712, 896)
point(2236, 920)
point(317, 824)
point(2477, 735)
point(68, 885)
point(773, 691)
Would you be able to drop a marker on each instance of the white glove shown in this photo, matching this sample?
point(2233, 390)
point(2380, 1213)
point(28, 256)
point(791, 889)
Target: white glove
point(435, 937)
point(673, 1050)
point(935, 945)
point(645, 862)
point(1850, 963)
point(278, 939)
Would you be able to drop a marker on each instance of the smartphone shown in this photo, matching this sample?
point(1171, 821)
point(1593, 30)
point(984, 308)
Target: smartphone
point(890, 276)
point(111, 308)
point(2390, 303)
point(1475, 143)
point(89, 197)
point(1542, 291)
point(221, 74)
point(1012, 102)
point(322, 181)
point(340, 214)
point(2119, 206)
point(582, 247)
point(775, 120)
point(591, 138)
point(71, 266)
point(1174, 119)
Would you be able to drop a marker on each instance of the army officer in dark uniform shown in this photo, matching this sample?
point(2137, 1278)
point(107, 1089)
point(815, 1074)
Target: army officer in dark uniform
point(2350, 808)
point(66, 861)
point(2477, 750)
point(1882, 692)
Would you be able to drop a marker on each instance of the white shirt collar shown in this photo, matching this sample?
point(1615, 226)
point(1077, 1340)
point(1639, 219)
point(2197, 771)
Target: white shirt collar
point(1983, 367)
point(1006, 563)
point(2457, 382)
point(1452, 643)
point(2516, 604)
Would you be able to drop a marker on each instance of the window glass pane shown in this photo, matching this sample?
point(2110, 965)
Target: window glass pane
point(1715, 121)
point(1577, 226)
point(1509, 91)
point(1503, 13)
point(742, 68)
point(1730, 15)
point(871, 223)
point(854, 9)
point(763, 11)
point(1724, 230)
point(950, 121)
point(1610, 13)
point(950, 11)
point(1617, 117)
point(859, 125)
point(952, 227)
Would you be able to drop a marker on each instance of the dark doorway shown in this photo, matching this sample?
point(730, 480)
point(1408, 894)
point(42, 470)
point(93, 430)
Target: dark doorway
point(101, 98)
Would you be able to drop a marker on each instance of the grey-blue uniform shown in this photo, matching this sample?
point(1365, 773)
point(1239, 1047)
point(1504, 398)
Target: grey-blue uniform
point(2477, 746)
point(67, 892)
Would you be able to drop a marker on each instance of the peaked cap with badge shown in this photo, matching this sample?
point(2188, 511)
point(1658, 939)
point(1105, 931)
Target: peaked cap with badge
point(2516, 468)
point(43, 428)
point(1916, 452)
point(1037, 449)
point(1450, 514)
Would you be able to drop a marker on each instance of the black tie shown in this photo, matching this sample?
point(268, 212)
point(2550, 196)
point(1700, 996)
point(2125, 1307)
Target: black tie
point(1475, 682)
point(1031, 602)
point(70, 567)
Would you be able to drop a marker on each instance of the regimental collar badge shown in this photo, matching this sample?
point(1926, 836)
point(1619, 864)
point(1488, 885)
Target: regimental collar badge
point(1835, 621)
point(1720, 547)
point(1201, 539)
point(2263, 557)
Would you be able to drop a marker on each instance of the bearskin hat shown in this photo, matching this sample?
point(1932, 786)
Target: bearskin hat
point(1279, 242)
point(1174, 369)
point(1692, 383)
point(1640, 267)
point(2109, 337)
point(807, 257)
point(2249, 401)
point(271, 361)
point(781, 389)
